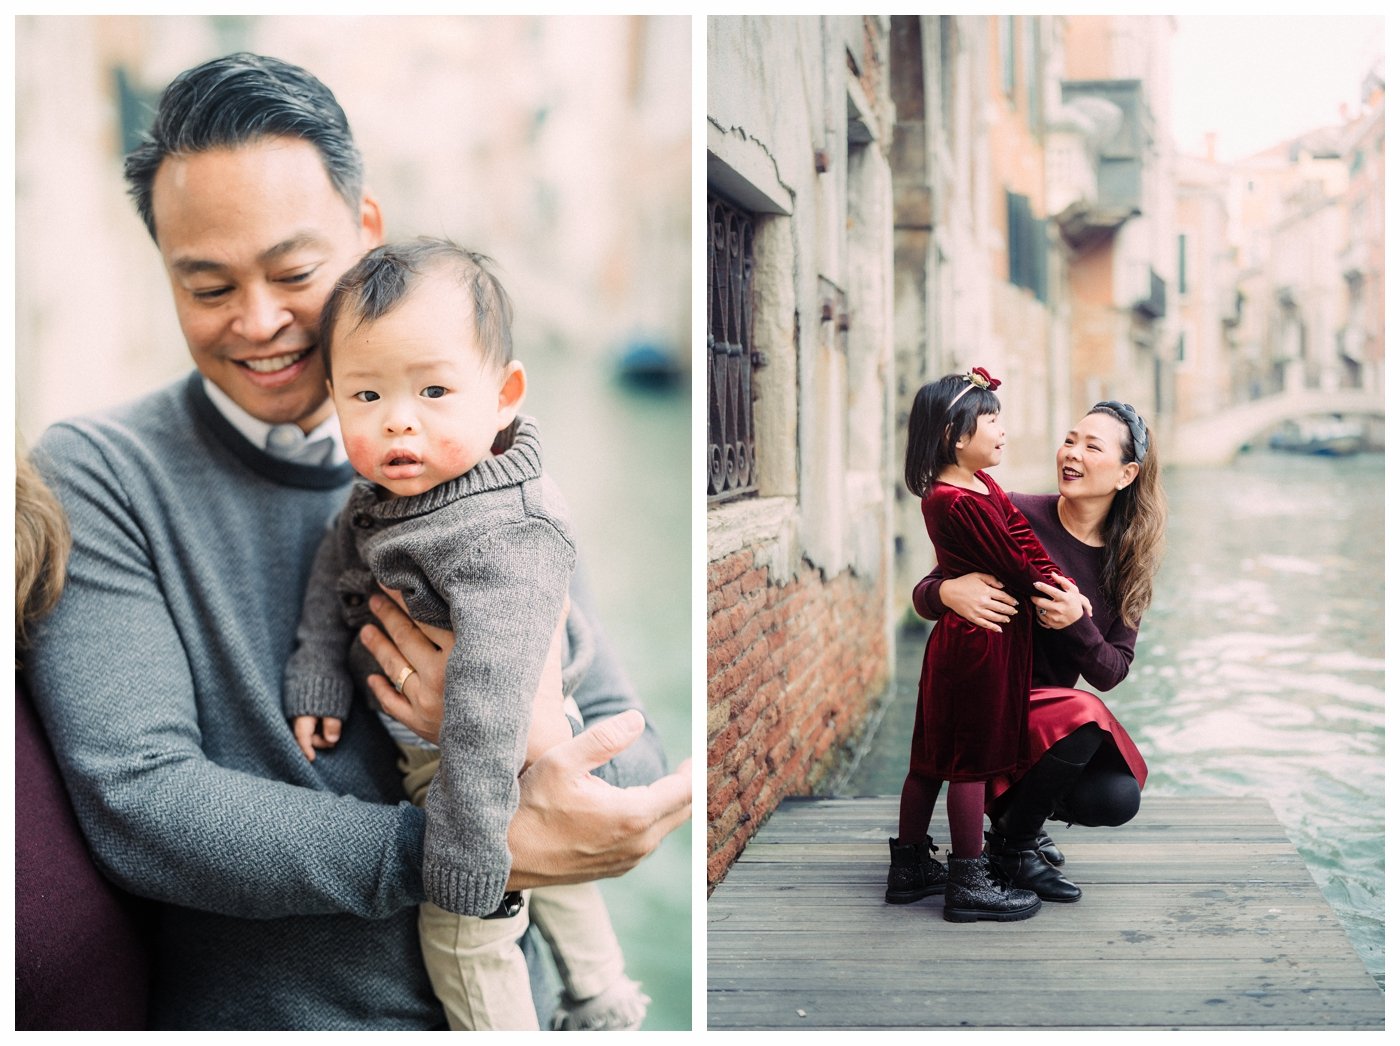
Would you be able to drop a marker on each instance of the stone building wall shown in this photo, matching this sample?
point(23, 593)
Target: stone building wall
point(800, 621)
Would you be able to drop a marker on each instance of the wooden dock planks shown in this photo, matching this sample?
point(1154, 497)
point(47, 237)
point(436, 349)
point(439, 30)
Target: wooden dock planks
point(1197, 914)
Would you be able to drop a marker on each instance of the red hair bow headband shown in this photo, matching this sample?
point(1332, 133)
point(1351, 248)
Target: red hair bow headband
point(976, 376)
point(979, 377)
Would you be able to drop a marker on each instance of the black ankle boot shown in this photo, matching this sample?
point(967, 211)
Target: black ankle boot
point(1043, 842)
point(1048, 849)
point(1025, 866)
point(914, 872)
point(978, 890)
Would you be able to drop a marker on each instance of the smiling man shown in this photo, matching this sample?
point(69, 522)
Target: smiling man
point(249, 279)
point(289, 888)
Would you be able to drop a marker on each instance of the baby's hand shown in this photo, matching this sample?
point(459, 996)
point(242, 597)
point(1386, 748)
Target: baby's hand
point(313, 732)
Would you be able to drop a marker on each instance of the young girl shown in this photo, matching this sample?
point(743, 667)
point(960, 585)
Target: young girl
point(975, 686)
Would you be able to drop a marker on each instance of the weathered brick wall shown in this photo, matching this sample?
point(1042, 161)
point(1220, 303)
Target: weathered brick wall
point(794, 669)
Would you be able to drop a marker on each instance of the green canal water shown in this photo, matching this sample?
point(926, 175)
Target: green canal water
point(621, 456)
point(1260, 666)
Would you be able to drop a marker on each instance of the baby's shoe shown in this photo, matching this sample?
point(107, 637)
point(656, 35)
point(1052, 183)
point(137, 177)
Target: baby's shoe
point(618, 1007)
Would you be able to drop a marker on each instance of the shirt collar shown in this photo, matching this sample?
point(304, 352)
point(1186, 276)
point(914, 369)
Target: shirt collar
point(255, 430)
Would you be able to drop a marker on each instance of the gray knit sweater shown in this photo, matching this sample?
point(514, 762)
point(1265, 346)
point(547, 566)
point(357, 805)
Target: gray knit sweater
point(489, 555)
point(290, 887)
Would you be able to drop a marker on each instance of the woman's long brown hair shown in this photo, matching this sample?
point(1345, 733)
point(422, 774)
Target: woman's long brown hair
point(41, 549)
point(1134, 533)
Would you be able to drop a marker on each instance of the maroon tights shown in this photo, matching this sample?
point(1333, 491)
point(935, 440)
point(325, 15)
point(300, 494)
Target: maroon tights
point(966, 800)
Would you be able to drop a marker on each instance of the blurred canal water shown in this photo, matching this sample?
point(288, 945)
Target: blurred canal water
point(1260, 667)
point(621, 456)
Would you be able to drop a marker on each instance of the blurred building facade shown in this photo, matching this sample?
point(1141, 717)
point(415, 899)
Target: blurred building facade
point(1121, 231)
point(1364, 241)
point(559, 146)
point(1207, 292)
point(1281, 281)
point(1362, 338)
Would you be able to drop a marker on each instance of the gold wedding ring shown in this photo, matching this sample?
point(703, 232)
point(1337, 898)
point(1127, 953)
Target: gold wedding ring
point(404, 673)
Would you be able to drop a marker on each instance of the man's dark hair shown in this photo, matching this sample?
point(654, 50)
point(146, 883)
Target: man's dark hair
point(242, 98)
point(384, 276)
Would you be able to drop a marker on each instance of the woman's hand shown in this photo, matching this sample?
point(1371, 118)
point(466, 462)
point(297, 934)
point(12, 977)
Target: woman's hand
point(572, 827)
point(978, 598)
point(409, 645)
point(1060, 607)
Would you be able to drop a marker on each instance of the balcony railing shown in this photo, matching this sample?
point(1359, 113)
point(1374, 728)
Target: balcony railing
point(1154, 305)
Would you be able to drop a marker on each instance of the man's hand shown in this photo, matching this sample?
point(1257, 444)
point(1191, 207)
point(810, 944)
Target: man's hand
point(409, 644)
point(978, 598)
point(572, 827)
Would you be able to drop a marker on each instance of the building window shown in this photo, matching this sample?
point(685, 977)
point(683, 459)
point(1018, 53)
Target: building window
point(729, 246)
point(1027, 246)
point(1008, 56)
point(947, 68)
point(1034, 109)
point(136, 108)
point(1181, 264)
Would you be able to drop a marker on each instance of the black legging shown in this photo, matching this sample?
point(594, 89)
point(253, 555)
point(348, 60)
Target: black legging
point(1079, 780)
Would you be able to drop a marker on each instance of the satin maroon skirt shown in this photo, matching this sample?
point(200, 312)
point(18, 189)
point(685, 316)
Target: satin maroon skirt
point(1055, 713)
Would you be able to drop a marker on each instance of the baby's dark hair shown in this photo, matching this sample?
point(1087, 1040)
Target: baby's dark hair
point(384, 276)
point(936, 423)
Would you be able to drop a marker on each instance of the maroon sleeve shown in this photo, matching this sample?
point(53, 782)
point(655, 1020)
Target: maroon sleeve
point(82, 947)
point(1103, 660)
point(927, 602)
point(981, 536)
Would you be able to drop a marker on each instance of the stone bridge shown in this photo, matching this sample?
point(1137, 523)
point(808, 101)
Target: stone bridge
point(1215, 440)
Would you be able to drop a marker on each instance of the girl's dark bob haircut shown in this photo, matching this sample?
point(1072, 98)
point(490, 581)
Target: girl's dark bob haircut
point(936, 423)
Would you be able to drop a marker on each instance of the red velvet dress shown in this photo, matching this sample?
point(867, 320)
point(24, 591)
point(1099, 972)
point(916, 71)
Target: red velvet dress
point(974, 691)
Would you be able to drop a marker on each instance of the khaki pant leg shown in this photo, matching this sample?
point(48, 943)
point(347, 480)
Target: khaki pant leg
point(477, 969)
point(575, 924)
point(418, 766)
point(475, 965)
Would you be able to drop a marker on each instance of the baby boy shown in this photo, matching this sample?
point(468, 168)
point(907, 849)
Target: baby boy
point(455, 513)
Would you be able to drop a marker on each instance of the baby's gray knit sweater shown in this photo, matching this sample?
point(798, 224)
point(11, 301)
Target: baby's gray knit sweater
point(488, 555)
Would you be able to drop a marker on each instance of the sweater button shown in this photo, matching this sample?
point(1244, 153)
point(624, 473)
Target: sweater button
point(352, 599)
point(363, 520)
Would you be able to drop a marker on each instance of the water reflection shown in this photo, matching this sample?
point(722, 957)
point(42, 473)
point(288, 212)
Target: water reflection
point(1262, 668)
point(621, 457)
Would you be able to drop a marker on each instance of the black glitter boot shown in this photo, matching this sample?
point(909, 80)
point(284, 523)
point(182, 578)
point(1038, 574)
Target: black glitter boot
point(978, 891)
point(914, 872)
